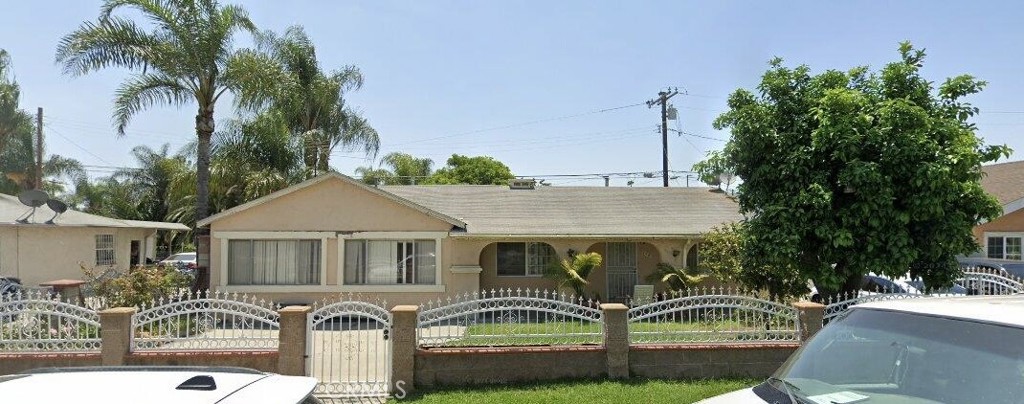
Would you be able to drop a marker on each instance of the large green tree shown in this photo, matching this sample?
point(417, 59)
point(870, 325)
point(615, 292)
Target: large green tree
point(479, 170)
point(849, 172)
point(182, 55)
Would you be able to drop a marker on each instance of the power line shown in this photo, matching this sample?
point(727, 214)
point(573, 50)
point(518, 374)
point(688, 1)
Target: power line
point(50, 127)
point(527, 123)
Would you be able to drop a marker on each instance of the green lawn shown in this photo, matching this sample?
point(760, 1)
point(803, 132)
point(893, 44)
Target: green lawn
point(589, 392)
point(556, 333)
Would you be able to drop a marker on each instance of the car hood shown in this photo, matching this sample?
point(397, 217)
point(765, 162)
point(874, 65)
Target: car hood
point(737, 397)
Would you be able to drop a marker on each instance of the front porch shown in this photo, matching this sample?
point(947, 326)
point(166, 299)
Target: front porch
point(519, 264)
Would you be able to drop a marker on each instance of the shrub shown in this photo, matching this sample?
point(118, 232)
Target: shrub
point(138, 286)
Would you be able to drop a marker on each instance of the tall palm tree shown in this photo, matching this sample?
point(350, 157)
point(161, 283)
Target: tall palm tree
point(185, 58)
point(309, 101)
point(13, 120)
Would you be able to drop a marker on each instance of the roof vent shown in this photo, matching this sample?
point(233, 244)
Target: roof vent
point(201, 382)
point(522, 183)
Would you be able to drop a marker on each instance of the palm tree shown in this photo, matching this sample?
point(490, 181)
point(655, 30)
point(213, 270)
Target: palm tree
point(18, 173)
point(185, 58)
point(13, 120)
point(677, 279)
point(310, 102)
point(573, 272)
point(405, 170)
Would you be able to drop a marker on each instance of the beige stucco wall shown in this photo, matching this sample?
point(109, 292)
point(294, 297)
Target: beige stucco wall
point(1013, 222)
point(339, 208)
point(39, 254)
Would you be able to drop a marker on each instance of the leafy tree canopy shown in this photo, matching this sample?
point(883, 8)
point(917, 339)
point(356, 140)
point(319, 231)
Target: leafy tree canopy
point(479, 170)
point(851, 172)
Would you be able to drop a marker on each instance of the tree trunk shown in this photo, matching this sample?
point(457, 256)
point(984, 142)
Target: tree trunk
point(309, 152)
point(204, 130)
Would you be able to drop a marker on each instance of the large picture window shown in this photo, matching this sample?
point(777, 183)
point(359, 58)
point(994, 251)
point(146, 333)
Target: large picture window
point(524, 259)
point(274, 262)
point(1004, 247)
point(390, 262)
point(105, 252)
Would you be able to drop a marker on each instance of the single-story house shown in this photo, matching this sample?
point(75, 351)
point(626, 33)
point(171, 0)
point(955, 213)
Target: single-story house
point(40, 251)
point(406, 244)
point(1001, 238)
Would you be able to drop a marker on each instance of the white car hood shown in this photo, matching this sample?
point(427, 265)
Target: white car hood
point(737, 397)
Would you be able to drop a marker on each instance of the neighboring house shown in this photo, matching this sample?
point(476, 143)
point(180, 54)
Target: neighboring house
point(38, 251)
point(1001, 238)
point(405, 244)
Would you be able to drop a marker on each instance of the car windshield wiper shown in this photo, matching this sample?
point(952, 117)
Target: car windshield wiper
point(787, 387)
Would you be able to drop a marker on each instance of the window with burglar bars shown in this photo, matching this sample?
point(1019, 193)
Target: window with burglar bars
point(524, 259)
point(274, 262)
point(105, 253)
point(390, 262)
point(1004, 247)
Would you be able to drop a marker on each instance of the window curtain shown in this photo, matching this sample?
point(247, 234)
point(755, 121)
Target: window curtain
point(274, 262)
point(390, 262)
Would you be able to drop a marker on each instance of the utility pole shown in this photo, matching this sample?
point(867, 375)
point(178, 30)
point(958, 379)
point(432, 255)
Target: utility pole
point(662, 100)
point(39, 149)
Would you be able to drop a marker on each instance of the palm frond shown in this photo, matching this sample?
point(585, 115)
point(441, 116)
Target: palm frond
point(145, 90)
point(114, 42)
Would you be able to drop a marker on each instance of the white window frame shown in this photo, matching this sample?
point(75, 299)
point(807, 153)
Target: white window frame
point(1004, 236)
point(225, 237)
point(526, 264)
point(438, 237)
point(112, 248)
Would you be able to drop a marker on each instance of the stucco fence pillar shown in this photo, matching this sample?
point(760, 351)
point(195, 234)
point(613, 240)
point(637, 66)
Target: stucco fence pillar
point(616, 339)
point(403, 347)
point(809, 318)
point(116, 335)
point(292, 339)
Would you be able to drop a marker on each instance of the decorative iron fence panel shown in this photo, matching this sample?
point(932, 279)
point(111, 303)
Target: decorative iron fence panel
point(206, 321)
point(36, 322)
point(985, 281)
point(840, 305)
point(510, 318)
point(349, 346)
point(712, 316)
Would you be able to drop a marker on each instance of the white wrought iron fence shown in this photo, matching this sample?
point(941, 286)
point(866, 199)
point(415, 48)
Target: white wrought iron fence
point(711, 316)
point(35, 321)
point(206, 321)
point(988, 281)
point(349, 346)
point(835, 306)
point(510, 318)
point(974, 281)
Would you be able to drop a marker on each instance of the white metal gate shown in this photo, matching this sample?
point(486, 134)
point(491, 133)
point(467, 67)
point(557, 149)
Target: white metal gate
point(350, 350)
point(620, 265)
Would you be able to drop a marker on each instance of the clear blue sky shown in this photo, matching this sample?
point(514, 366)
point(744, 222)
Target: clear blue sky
point(441, 75)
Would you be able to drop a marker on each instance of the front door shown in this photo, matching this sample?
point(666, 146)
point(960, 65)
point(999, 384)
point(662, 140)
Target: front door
point(136, 252)
point(620, 265)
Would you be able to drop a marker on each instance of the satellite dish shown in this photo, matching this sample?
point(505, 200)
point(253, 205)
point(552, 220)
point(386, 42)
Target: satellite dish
point(58, 207)
point(34, 199)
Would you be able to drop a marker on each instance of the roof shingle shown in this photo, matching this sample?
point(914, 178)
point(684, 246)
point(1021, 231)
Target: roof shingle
point(576, 211)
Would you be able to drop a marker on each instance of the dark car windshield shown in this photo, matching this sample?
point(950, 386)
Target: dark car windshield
point(896, 357)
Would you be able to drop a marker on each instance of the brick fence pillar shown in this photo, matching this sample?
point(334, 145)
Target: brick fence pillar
point(809, 317)
point(116, 335)
point(616, 339)
point(291, 351)
point(403, 347)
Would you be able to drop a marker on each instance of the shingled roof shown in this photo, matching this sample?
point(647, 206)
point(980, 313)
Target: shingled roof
point(11, 209)
point(1005, 181)
point(576, 211)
